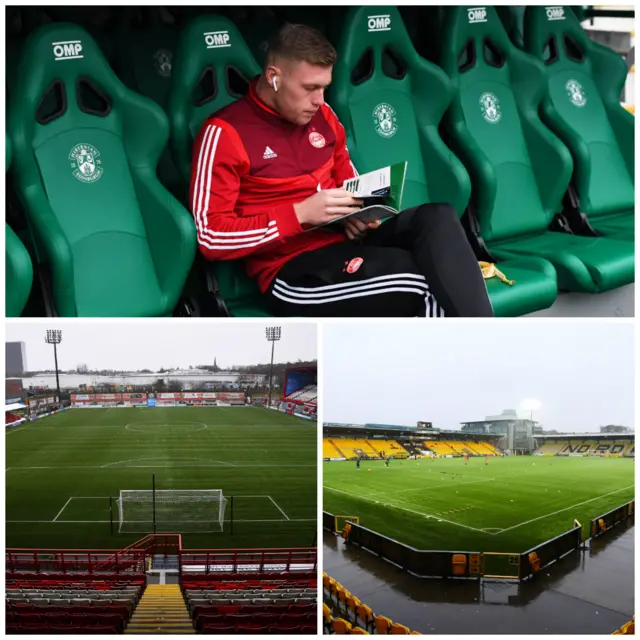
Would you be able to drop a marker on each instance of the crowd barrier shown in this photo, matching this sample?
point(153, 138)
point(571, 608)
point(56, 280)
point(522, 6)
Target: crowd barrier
point(600, 525)
point(418, 562)
point(472, 564)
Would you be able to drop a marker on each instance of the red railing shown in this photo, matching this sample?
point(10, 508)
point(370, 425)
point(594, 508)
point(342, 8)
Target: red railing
point(134, 558)
point(205, 561)
point(68, 561)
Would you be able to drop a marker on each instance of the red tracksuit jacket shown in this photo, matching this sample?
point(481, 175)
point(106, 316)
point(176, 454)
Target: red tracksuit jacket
point(249, 167)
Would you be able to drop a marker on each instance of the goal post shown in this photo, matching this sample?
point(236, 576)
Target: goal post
point(171, 510)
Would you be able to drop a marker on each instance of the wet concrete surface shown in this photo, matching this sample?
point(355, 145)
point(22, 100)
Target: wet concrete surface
point(587, 592)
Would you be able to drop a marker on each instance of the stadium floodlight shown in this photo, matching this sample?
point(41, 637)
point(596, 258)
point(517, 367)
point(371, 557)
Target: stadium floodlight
point(54, 337)
point(530, 405)
point(171, 510)
point(273, 335)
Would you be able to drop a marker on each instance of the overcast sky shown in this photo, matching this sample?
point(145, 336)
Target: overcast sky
point(156, 343)
point(450, 372)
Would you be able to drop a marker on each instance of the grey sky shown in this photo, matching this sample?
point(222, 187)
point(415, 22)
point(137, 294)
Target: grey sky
point(451, 372)
point(156, 343)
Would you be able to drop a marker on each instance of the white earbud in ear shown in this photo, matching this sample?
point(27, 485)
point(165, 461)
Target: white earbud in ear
point(275, 83)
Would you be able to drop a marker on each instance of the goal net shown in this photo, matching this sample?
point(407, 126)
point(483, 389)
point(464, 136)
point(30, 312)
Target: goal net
point(172, 511)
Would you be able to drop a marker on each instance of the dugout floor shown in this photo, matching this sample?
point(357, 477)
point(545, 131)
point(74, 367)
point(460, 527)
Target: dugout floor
point(590, 592)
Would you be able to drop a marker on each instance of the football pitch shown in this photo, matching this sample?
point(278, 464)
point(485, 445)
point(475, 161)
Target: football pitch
point(62, 470)
point(509, 505)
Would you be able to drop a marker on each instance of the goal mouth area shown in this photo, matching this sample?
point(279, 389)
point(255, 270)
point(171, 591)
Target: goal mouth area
point(171, 510)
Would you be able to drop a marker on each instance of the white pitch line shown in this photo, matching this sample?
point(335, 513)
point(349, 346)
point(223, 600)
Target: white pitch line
point(426, 488)
point(604, 495)
point(105, 521)
point(420, 513)
point(63, 508)
point(14, 430)
point(278, 508)
point(171, 466)
point(123, 462)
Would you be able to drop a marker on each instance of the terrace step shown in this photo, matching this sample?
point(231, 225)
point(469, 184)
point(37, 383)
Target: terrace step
point(161, 609)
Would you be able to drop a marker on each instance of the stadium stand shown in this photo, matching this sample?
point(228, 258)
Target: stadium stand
point(352, 448)
point(247, 603)
point(460, 447)
point(351, 615)
point(388, 448)
point(329, 449)
point(40, 603)
point(11, 417)
point(218, 591)
point(486, 448)
point(627, 629)
point(551, 448)
point(581, 447)
point(306, 394)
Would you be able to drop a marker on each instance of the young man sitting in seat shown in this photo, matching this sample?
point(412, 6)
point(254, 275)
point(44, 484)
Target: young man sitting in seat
point(269, 168)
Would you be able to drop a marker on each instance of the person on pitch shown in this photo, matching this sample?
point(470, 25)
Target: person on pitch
point(269, 168)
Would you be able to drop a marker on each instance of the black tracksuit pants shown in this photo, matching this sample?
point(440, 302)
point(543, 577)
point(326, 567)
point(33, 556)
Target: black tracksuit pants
point(415, 264)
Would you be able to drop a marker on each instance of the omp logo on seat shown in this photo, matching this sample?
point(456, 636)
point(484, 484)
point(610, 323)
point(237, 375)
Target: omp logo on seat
point(69, 50)
point(477, 14)
point(379, 23)
point(555, 13)
point(217, 39)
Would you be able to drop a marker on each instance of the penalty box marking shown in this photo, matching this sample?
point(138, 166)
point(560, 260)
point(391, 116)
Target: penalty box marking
point(78, 498)
point(275, 504)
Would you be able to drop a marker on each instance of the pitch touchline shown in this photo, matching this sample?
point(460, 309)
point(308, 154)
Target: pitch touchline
point(14, 430)
point(553, 513)
point(420, 513)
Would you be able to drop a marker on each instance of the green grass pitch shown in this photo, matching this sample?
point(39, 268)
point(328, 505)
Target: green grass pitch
point(509, 505)
point(62, 469)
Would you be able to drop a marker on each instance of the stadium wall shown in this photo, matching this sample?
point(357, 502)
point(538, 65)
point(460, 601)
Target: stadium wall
point(425, 563)
point(183, 399)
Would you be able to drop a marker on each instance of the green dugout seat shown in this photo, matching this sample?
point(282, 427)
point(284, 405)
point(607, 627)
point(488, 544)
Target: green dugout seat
point(391, 102)
point(18, 268)
point(212, 68)
point(519, 169)
point(18, 274)
point(581, 105)
point(512, 18)
point(146, 44)
point(115, 241)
